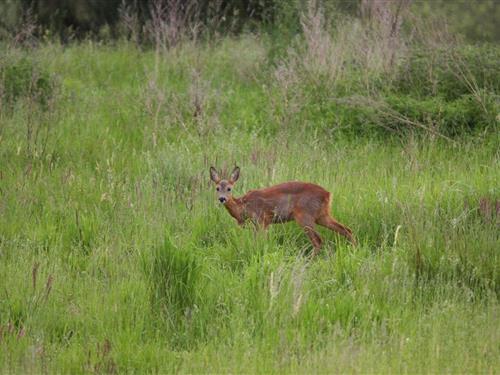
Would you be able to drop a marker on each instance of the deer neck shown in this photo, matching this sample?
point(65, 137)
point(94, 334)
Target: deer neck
point(236, 208)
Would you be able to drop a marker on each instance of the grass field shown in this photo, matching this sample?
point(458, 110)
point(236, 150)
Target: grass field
point(115, 255)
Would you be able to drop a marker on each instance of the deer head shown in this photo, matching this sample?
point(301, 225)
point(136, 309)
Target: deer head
point(224, 188)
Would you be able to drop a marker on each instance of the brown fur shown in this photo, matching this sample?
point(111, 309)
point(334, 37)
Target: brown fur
point(308, 204)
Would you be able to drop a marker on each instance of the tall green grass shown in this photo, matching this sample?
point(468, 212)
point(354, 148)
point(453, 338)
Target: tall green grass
point(116, 257)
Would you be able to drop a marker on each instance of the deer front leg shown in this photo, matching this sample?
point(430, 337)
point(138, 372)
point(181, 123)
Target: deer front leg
point(262, 223)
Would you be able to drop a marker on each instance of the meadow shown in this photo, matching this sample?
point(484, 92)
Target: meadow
point(115, 255)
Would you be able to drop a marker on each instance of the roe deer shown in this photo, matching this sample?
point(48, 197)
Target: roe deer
point(306, 203)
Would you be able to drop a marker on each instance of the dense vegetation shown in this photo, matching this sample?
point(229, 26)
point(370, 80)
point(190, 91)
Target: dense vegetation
point(477, 20)
point(115, 255)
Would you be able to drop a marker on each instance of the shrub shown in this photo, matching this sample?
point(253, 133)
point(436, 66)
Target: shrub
point(450, 73)
point(22, 77)
point(454, 117)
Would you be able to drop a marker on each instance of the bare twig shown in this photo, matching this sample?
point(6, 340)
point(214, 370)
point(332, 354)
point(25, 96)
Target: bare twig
point(25, 33)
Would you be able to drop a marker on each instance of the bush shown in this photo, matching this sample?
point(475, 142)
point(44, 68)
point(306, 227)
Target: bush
point(453, 117)
point(394, 112)
point(22, 77)
point(450, 73)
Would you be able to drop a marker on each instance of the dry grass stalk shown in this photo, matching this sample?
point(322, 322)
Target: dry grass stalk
point(25, 33)
point(275, 281)
point(48, 286)
point(34, 273)
point(329, 55)
point(385, 18)
point(298, 277)
point(154, 101)
point(173, 20)
point(129, 20)
point(323, 56)
point(205, 111)
point(462, 72)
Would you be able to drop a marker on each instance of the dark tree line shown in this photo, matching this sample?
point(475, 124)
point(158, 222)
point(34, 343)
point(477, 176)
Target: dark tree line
point(477, 19)
point(84, 17)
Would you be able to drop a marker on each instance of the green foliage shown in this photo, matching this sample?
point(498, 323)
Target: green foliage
point(452, 91)
point(115, 255)
point(450, 72)
point(21, 77)
point(477, 20)
point(457, 117)
point(173, 277)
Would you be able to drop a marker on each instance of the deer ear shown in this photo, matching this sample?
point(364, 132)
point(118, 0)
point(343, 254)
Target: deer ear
point(214, 176)
point(235, 174)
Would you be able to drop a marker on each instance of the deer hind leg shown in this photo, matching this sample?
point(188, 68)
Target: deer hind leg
point(330, 223)
point(307, 223)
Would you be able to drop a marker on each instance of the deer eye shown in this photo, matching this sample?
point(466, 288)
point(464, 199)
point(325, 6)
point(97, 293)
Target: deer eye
point(218, 189)
point(228, 189)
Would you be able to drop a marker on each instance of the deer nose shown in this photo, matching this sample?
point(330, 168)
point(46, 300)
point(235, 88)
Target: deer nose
point(222, 199)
